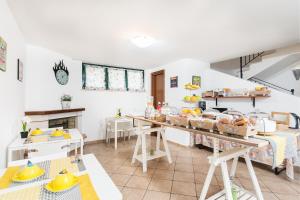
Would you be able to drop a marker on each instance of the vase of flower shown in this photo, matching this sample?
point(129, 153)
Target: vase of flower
point(25, 121)
point(66, 101)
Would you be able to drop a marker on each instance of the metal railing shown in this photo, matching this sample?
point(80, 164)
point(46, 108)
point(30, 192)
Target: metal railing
point(246, 60)
point(271, 85)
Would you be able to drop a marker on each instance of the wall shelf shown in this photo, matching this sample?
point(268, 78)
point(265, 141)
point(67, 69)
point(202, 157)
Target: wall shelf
point(253, 98)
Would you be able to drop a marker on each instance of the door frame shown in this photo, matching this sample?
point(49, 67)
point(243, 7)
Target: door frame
point(153, 74)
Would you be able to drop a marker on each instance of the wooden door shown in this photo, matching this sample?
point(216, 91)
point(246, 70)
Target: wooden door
point(158, 86)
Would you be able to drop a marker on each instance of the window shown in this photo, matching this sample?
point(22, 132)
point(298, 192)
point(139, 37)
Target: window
point(116, 79)
point(99, 77)
point(94, 77)
point(135, 80)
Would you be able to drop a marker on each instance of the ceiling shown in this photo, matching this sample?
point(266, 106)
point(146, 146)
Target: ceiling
point(99, 31)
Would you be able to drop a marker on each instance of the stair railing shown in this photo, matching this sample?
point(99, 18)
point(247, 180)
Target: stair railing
point(271, 85)
point(246, 60)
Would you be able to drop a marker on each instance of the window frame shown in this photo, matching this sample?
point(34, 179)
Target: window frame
point(106, 67)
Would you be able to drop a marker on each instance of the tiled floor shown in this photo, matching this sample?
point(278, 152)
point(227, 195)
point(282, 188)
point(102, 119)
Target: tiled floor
point(184, 178)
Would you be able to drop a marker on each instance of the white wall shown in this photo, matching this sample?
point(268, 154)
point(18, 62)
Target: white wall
point(43, 92)
point(11, 98)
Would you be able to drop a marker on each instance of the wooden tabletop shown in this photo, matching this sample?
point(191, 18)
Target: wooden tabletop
point(253, 142)
point(50, 112)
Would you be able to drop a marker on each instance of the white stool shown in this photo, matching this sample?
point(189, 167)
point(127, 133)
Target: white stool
point(141, 141)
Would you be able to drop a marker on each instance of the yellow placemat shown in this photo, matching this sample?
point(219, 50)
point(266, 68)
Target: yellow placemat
point(87, 189)
point(58, 165)
point(32, 193)
point(36, 139)
point(6, 179)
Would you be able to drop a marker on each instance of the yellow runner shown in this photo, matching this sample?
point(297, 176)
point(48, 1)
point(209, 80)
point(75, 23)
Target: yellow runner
point(86, 188)
point(5, 180)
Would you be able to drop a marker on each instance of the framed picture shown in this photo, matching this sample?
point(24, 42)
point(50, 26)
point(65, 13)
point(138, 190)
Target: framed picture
point(174, 82)
point(20, 70)
point(3, 51)
point(196, 80)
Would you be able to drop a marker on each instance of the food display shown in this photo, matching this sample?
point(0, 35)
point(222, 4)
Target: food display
point(260, 91)
point(192, 99)
point(210, 93)
point(179, 120)
point(241, 126)
point(190, 86)
point(203, 123)
point(242, 92)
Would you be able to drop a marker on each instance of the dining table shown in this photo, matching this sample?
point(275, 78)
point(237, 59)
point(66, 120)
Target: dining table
point(75, 140)
point(97, 183)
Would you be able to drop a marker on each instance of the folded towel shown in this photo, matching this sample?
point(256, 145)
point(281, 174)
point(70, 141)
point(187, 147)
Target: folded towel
point(291, 144)
point(278, 146)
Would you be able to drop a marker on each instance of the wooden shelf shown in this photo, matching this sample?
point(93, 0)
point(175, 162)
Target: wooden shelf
point(50, 112)
point(253, 98)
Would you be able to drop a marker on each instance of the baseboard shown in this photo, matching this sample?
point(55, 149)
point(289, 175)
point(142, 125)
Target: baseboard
point(95, 141)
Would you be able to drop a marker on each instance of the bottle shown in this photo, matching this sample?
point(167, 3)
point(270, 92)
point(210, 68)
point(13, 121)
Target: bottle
point(158, 106)
point(150, 111)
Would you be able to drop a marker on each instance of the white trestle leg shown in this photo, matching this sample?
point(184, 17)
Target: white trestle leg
point(221, 159)
point(141, 141)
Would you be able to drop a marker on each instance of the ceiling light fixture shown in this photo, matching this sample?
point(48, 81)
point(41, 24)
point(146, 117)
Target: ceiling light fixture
point(142, 41)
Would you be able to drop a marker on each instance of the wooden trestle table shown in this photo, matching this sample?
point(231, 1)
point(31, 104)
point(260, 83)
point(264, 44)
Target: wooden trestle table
point(215, 160)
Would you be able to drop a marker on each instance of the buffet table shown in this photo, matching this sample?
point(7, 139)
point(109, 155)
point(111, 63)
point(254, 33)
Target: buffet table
point(218, 159)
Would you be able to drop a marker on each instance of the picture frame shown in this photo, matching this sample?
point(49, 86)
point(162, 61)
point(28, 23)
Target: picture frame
point(20, 70)
point(196, 80)
point(174, 82)
point(3, 54)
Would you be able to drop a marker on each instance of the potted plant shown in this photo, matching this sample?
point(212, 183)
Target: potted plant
point(66, 101)
point(25, 122)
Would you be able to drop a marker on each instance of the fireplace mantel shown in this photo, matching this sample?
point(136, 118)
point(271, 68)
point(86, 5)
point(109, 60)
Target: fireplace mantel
point(51, 112)
point(41, 118)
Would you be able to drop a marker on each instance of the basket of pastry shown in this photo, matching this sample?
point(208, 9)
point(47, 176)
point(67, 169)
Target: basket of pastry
point(244, 127)
point(203, 123)
point(183, 119)
point(209, 93)
point(179, 120)
point(160, 118)
point(224, 125)
point(260, 91)
point(240, 126)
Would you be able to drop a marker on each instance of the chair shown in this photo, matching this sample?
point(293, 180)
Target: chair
point(121, 125)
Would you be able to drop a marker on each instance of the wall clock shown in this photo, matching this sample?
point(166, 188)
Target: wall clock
point(61, 73)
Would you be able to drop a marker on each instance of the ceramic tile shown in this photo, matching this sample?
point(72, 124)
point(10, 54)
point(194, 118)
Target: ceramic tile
point(184, 188)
